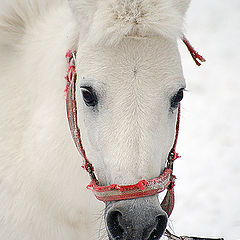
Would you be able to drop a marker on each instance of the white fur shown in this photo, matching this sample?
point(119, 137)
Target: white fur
point(42, 186)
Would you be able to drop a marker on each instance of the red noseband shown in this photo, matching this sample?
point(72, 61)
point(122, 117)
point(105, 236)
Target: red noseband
point(143, 188)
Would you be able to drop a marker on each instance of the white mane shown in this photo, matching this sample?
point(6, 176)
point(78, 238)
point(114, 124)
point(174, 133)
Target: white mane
point(16, 16)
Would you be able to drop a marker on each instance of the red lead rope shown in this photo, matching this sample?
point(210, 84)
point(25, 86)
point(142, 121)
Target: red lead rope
point(143, 188)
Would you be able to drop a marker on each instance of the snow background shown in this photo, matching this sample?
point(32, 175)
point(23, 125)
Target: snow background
point(208, 174)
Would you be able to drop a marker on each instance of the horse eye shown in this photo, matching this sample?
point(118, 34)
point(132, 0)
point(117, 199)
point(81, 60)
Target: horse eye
point(89, 96)
point(176, 99)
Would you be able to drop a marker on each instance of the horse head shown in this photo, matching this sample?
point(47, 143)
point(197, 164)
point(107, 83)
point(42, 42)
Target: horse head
point(128, 88)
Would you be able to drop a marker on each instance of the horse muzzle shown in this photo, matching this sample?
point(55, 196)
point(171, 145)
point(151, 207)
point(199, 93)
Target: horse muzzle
point(135, 219)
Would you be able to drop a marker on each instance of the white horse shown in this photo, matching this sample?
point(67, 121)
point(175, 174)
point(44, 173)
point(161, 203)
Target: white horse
point(129, 84)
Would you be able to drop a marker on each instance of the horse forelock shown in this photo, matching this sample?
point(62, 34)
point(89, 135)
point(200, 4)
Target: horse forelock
point(112, 20)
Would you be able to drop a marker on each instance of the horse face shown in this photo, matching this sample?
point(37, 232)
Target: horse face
point(127, 99)
point(129, 85)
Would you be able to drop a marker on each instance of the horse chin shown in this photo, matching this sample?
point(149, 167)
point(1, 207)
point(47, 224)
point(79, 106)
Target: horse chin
point(135, 219)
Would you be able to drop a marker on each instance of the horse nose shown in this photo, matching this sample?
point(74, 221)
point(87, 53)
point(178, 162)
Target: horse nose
point(129, 222)
point(120, 229)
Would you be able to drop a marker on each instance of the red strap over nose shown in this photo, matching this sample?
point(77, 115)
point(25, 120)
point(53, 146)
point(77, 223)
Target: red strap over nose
point(143, 188)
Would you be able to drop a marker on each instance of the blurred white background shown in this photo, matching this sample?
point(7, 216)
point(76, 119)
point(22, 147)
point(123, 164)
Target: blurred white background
point(208, 174)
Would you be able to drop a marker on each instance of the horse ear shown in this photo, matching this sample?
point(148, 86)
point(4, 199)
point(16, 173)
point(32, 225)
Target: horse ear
point(182, 6)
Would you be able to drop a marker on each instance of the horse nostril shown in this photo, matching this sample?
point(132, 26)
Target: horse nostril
point(159, 228)
point(114, 224)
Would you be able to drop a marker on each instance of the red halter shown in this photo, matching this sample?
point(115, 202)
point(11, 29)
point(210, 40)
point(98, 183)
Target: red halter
point(120, 192)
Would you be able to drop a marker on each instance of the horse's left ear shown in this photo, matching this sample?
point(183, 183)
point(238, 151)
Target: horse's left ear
point(182, 6)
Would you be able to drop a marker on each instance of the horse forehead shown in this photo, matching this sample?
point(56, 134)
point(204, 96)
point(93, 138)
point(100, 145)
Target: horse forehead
point(156, 61)
point(131, 67)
